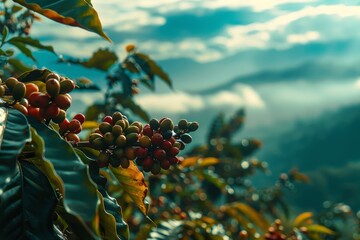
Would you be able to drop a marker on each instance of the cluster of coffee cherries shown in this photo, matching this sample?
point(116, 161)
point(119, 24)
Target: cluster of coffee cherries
point(115, 139)
point(275, 232)
point(159, 145)
point(49, 105)
point(70, 129)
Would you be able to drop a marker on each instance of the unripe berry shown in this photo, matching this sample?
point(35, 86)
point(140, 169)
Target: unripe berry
point(114, 162)
point(18, 91)
point(141, 152)
point(74, 125)
point(130, 153)
point(2, 90)
point(192, 127)
point(138, 125)
point(154, 124)
point(168, 134)
point(132, 129)
point(21, 108)
point(159, 154)
point(39, 100)
point(108, 119)
point(24, 102)
point(121, 123)
point(109, 138)
point(66, 86)
point(125, 163)
point(166, 125)
point(63, 101)
point(103, 157)
point(11, 82)
point(72, 137)
point(53, 87)
point(119, 152)
point(105, 127)
point(80, 117)
point(183, 124)
point(145, 141)
point(157, 139)
point(155, 169)
point(177, 144)
point(120, 141)
point(30, 88)
point(52, 76)
point(186, 138)
point(117, 130)
point(131, 138)
point(117, 116)
point(94, 136)
point(98, 143)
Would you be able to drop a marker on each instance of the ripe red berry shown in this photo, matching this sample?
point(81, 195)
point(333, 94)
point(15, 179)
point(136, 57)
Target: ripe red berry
point(63, 101)
point(172, 140)
point(166, 145)
point(72, 137)
point(30, 88)
point(165, 164)
point(39, 100)
point(141, 152)
point(34, 112)
point(147, 164)
point(157, 139)
point(147, 131)
point(173, 160)
point(74, 125)
point(64, 125)
point(108, 119)
point(52, 111)
point(159, 154)
point(173, 152)
point(80, 117)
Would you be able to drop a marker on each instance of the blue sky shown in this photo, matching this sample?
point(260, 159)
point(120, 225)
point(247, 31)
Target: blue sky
point(205, 43)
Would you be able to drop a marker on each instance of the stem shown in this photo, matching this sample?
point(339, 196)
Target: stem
point(82, 144)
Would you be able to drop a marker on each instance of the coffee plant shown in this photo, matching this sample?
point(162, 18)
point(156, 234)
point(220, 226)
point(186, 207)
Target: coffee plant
point(103, 175)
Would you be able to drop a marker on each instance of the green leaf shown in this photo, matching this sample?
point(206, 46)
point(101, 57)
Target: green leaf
point(22, 47)
point(211, 177)
point(27, 205)
point(112, 224)
point(31, 42)
point(102, 59)
point(155, 69)
point(15, 9)
point(15, 135)
point(133, 183)
point(78, 13)
point(4, 35)
point(59, 162)
point(18, 66)
point(34, 75)
point(315, 228)
point(167, 230)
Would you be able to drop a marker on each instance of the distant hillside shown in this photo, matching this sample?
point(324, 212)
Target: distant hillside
point(328, 150)
point(309, 71)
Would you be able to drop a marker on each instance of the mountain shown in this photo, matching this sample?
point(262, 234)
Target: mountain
point(325, 148)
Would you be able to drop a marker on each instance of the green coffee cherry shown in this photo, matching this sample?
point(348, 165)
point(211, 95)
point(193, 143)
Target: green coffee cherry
point(166, 125)
point(131, 138)
point(186, 138)
point(109, 138)
point(103, 157)
point(105, 127)
point(183, 124)
point(193, 126)
point(19, 91)
point(120, 141)
point(117, 116)
point(154, 124)
point(11, 82)
point(137, 124)
point(117, 130)
point(98, 143)
point(94, 136)
point(132, 129)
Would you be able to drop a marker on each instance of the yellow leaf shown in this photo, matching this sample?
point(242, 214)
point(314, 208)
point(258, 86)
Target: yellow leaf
point(301, 218)
point(133, 183)
point(198, 161)
point(90, 125)
point(253, 215)
point(315, 228)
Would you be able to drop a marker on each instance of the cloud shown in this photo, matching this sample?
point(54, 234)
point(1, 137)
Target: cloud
point(181, 102)
point(303, 38)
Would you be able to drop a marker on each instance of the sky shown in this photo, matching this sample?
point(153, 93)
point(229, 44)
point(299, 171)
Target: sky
point(206, 43)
